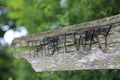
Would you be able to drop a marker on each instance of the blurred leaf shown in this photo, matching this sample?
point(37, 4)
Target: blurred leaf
point(42, 15)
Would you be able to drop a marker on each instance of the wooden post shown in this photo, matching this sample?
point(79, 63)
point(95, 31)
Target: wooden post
point(90, 45)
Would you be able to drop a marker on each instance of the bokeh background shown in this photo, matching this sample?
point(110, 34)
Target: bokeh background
point(21, 17)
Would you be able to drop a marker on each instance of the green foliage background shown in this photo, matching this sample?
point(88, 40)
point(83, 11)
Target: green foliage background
point(42, 15)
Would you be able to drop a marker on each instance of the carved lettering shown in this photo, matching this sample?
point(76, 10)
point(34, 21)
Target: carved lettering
point(76, 40)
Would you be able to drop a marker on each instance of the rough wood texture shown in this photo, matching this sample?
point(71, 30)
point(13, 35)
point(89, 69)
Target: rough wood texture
point(90, 45)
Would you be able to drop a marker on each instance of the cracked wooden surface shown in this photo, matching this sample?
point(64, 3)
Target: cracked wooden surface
point(99, 47)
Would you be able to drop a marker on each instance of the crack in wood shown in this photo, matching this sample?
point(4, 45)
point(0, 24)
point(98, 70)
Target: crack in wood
point(77, 39)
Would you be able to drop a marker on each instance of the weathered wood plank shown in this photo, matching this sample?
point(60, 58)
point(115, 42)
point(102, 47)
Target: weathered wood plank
point(90, 45)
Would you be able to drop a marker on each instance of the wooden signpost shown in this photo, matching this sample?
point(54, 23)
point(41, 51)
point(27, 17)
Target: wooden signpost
point(90, 45)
